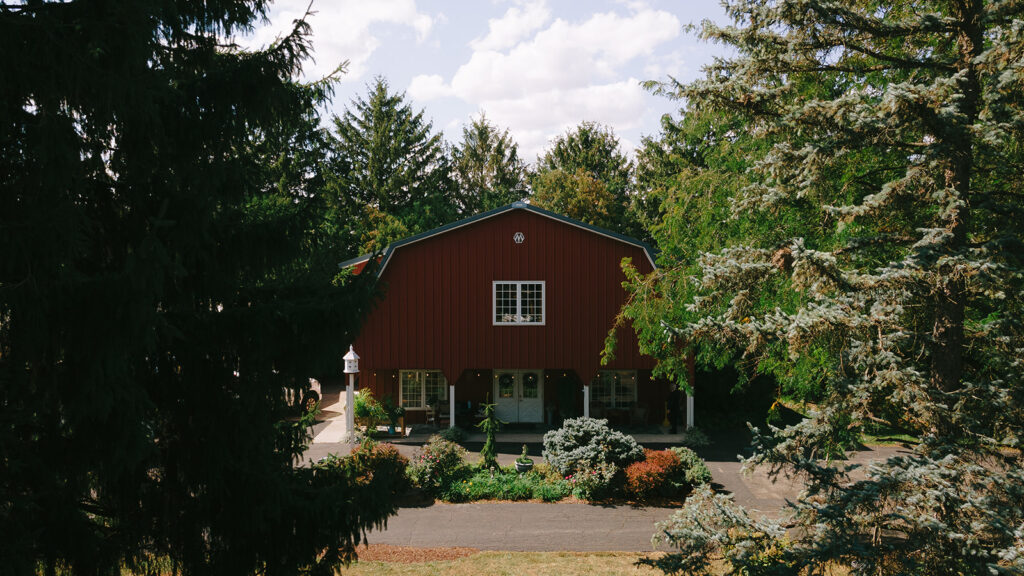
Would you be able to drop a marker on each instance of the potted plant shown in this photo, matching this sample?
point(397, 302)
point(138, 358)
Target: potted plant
point(368, 411)
point(392, 411)
point(524, 463)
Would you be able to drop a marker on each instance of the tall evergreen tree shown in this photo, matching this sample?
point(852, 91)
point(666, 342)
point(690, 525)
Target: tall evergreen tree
point(389, 169)
point(160, 288)
point(586, 176)
point(487, 168)
point(900, 125)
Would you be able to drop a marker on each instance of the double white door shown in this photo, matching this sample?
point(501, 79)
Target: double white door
point(519, 395)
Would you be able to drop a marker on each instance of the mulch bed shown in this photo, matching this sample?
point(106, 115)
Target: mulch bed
point(409, 554)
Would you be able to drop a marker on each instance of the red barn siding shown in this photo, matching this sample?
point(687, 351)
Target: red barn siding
point(436, 310)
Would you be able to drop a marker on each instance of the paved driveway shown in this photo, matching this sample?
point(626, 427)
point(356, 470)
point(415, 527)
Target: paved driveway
point(524, 526)
point(571, 527)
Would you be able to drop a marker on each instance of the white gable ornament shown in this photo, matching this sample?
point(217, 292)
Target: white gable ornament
point(518, 237)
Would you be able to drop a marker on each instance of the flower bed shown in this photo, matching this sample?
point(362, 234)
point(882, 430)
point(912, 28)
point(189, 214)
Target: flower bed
point(584, 459)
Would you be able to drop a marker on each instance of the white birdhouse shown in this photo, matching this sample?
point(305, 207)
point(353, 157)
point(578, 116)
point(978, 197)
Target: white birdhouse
point(351, 361)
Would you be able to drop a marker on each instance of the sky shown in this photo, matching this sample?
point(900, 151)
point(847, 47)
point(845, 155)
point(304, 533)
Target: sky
point(535, 67)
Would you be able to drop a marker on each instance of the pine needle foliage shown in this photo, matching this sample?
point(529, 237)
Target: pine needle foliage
point(897, 125)
point(490, 426)
point(164, 279)
point(487, 168)
point(389, 168)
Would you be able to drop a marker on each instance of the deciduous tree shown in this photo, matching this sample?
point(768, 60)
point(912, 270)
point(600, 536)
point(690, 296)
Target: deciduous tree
point(585, 176)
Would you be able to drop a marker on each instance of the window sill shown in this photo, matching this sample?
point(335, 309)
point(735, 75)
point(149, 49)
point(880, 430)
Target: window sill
point(517, 323)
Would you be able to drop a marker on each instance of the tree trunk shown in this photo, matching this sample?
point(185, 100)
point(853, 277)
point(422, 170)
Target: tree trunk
point(951, 294)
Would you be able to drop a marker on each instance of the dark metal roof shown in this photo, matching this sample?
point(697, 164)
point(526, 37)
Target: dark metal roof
point(648, 250)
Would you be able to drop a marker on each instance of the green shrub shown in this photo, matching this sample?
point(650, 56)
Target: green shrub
point(373, 459)
point(695, 438)
point(505, 485)
point(551, 491)
point(438, 465)
point(583, 445)
point(599, 483)
point(695, 471)
point(456, 435)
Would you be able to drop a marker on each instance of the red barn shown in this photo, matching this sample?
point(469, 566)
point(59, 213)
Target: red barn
point(512, 305)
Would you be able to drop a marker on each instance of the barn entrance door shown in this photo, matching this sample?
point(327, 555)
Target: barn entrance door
point(519, 395)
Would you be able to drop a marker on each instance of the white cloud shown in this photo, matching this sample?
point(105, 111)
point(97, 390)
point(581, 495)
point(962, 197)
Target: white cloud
point(517, 23)
point(536, 120)
point(342, 30)
point(426, 87)
point(540, 85)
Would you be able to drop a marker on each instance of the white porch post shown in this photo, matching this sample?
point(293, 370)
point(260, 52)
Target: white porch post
point(689, 411)
point(451, 406)
point(350, 407)
point(586, 401)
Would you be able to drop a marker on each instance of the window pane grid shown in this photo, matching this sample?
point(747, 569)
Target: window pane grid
point(421, 387)
point(518, 302)
point(437, 389)
point(506, 303)
point(532, 306)
point(614, 389)
point(412, 390)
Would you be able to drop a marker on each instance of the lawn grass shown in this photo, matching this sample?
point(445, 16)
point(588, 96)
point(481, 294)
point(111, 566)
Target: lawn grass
point(513, 563)
point(895, 439)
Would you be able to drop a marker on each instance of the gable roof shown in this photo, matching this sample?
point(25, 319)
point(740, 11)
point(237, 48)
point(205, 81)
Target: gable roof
point(390, 250)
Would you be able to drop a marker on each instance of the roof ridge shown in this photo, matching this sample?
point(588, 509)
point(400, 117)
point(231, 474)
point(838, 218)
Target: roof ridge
point(517, 205)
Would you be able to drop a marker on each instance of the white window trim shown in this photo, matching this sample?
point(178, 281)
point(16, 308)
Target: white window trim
point(423, 389)
point(519, 302)
point(614, 393)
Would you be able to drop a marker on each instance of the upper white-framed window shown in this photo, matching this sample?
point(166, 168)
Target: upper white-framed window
point(518, 303)
point(614, 389)
point(420, 388)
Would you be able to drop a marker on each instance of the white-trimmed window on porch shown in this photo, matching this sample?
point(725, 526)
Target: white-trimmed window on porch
point(421, 388)
point(518, 303)
point(614, 389)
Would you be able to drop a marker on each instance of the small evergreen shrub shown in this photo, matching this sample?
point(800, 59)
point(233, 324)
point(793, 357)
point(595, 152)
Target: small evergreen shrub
point(456, 435)
point(695, 438)
point(588, 444)
point(438, 465)
point(490, 426)
point(524, 458)
point(695, 471)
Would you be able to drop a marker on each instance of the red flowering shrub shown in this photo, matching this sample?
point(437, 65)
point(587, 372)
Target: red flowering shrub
point(653, 475)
